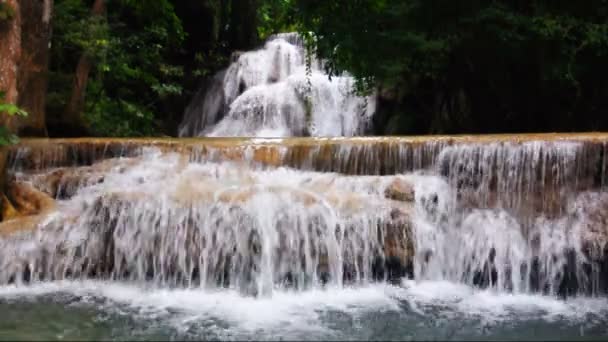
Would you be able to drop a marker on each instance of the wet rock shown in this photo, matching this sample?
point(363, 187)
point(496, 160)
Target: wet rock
point(590, 212)
point(29, 200)
point(8, 210)
point(400, 190)
point(63, 183)
point(21, 224)
point(397, 247)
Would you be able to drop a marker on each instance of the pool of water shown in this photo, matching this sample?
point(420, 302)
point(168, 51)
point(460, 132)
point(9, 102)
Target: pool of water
point(94, 310)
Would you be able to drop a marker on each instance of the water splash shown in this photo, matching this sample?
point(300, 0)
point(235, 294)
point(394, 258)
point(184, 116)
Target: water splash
point(213, 217)
point(164, 220)
point(417, 310)
point(269, 93)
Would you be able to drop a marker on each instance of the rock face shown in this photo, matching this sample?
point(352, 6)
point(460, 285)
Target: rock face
point(590, 213)
point(24, 208)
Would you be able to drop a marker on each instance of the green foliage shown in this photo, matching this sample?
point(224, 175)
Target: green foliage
point(149, 59)
point(130, 48)
point(275, 16)
point(473, 65)
point(6, 137)
point(448, 66)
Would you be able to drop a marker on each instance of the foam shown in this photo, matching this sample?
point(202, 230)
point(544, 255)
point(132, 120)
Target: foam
point(301, 312)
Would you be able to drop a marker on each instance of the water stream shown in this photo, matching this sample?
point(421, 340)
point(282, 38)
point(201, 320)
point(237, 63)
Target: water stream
point(483, 241)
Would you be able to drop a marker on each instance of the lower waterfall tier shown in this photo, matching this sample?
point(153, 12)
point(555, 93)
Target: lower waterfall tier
point(165, 218)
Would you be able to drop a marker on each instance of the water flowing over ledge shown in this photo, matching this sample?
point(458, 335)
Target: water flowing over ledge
point(273, 91)
point(518, 213)
point(335, 154)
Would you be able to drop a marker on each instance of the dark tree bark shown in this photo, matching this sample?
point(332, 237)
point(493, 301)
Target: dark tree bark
point(10, 52)
point(74, 121)
point(32, 78)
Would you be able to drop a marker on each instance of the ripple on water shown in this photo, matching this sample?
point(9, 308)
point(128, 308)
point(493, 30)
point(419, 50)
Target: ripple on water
point(416, 310)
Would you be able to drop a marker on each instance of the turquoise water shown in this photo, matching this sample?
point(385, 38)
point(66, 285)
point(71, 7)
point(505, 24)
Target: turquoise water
point(414, 311)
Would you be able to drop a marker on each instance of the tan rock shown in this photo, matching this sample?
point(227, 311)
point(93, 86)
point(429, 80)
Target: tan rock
point(29, 200)
point(398, 239)
point(20, 224)
point(8, 210)
point(31, 207)
point(400, 190)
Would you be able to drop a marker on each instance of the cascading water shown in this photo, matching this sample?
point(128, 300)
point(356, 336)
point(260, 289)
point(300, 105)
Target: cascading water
point(211, 225)
point(405, 231)
point(270, 92)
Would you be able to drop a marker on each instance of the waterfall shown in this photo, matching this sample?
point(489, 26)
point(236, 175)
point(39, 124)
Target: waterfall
point(269, 93)
point(521, 217)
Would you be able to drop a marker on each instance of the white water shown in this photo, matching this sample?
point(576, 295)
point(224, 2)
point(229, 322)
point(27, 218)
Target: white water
point(283, 251)
point(305, 315)
point(268, 93)
point(162, 219)
point(177, 223)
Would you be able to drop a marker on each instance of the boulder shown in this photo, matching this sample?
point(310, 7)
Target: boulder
point(30, 207)
point(400, 190)
point(398, 245)
point(28, 200)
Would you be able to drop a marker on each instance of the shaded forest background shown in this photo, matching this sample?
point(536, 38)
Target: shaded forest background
point(130, 67)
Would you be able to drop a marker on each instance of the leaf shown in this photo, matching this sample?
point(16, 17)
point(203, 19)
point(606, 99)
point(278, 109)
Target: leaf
point(11, 109)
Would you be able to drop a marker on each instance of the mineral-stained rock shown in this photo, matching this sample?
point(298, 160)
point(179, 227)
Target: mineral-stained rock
point(20, 224)
point(398, 245)
point(29, 200)
point(8, 210)
point(400, 190)
point(64, 182)
point(31, 206)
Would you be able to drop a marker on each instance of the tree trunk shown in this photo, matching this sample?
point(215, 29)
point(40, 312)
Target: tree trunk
point(10, 51)
point(33, 65)
point(74, 120)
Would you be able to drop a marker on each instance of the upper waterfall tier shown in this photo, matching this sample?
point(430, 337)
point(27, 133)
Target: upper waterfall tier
point(269, 93)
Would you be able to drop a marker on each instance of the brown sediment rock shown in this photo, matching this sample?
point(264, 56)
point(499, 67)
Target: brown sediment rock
point(399, 241)
point(31, 206)
point(29, 200)
point(400, 190)
point(21, 224)
point(65, 181)
point(8, 210)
